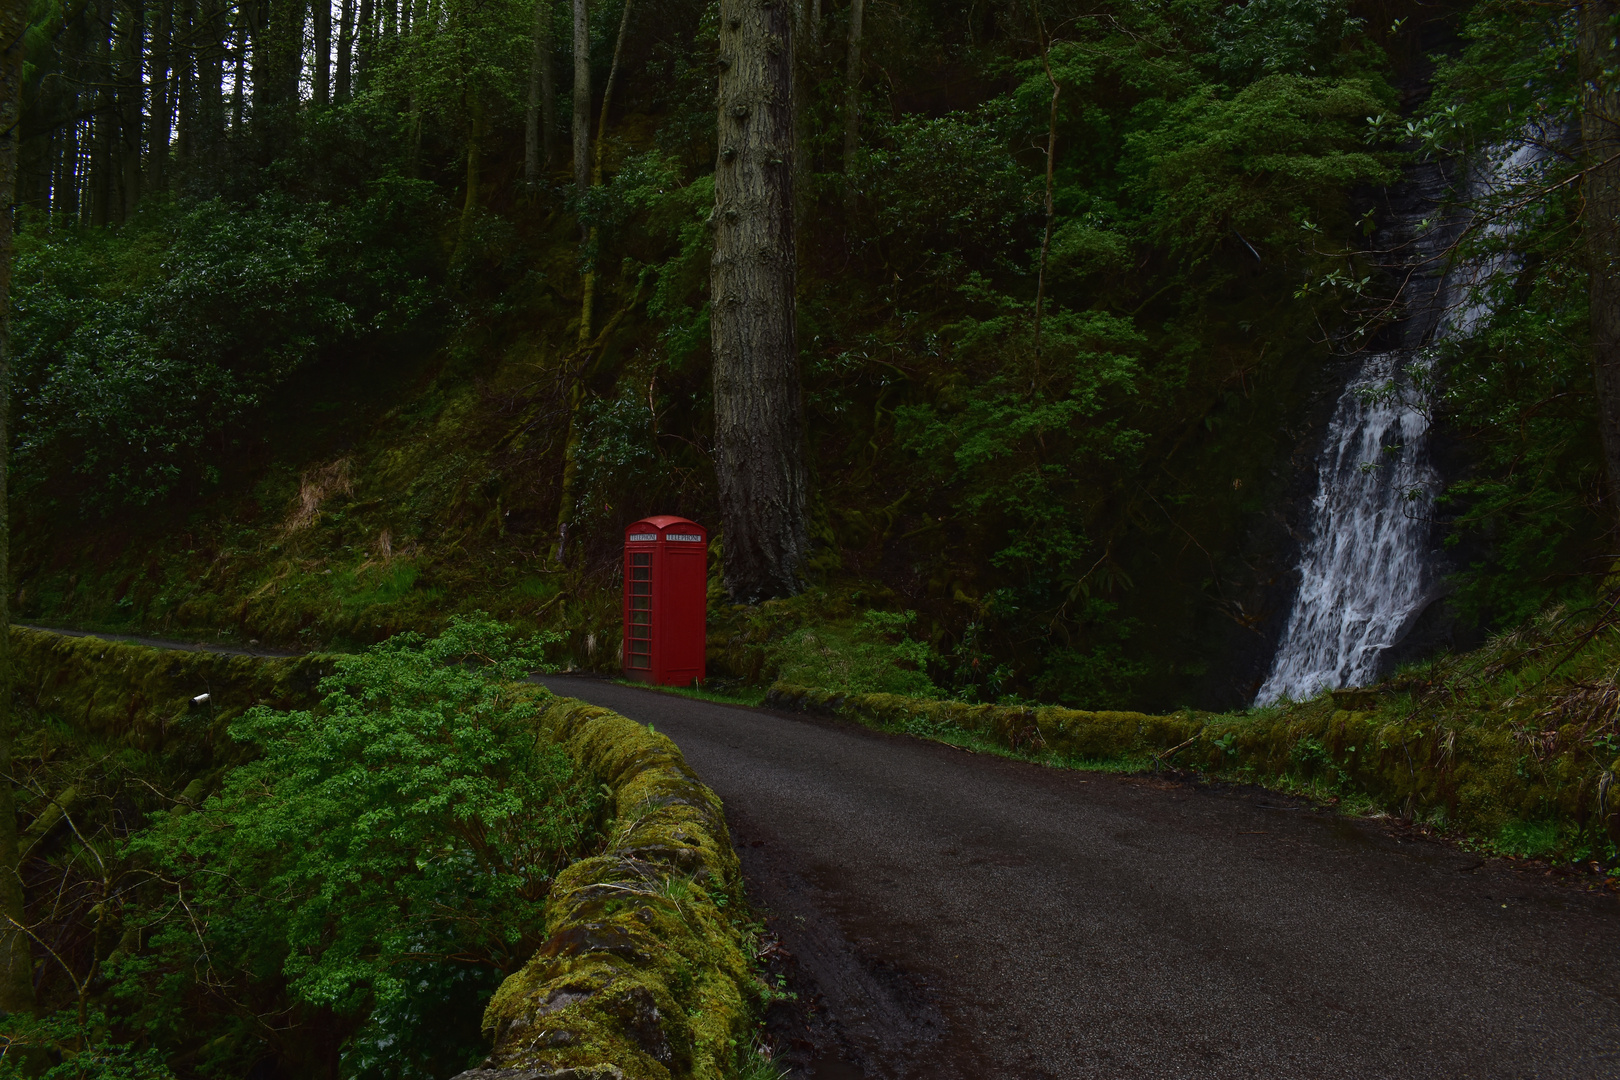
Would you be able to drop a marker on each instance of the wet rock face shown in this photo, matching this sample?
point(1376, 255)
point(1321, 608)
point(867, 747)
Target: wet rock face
point(644, 970)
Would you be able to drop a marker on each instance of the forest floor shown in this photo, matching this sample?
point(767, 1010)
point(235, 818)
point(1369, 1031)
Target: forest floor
point(947, 915)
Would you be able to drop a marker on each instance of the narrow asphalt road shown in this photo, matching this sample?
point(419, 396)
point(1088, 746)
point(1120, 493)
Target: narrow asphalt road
point(964, 916)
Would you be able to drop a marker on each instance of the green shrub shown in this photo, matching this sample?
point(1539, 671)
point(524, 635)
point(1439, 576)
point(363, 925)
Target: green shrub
point(382, 863)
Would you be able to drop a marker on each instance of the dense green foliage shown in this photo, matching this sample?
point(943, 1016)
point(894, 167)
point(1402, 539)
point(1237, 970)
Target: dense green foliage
point(1519, 388)
point(354, 891)
point(143, 353)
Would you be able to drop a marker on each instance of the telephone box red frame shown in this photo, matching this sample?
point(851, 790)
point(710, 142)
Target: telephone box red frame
point(666, 600)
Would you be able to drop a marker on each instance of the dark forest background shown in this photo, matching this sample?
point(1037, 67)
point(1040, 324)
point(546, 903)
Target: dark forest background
point(302, 358)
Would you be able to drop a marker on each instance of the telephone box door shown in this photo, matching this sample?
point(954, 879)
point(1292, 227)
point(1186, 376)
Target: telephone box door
point(666, 583)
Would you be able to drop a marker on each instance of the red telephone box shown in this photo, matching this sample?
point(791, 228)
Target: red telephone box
point(666, 600)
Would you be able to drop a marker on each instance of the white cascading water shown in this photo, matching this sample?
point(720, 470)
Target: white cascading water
point(1369, 570)
point(1366, 571)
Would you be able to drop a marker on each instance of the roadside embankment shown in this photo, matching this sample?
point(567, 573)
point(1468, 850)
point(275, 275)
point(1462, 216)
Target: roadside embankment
point(1534, 792)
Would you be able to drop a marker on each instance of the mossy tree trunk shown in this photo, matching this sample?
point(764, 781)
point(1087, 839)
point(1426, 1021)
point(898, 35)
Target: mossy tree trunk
point(1600, 137)
point(16, 965)
point(757, 416)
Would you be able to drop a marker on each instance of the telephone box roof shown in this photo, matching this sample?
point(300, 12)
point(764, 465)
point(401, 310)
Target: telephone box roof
point(663, 521)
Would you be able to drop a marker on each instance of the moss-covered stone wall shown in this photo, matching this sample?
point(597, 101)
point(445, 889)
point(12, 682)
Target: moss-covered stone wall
point(117, 692)
point(645, 973)
point(1486, 779)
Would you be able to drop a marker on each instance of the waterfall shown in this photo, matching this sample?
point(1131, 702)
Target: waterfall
point(1369, 569)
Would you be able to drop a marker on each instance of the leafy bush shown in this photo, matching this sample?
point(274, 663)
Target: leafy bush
point(384, 861)
point(139, 353)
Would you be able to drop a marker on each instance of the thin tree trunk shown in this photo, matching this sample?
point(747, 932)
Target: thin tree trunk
point(852, 96)
point(101, 171)
point(582, 95)
point(366, 40)
point(16, 965)
point(239, 78)
point(540, 125)
point(1600, 134)
point(758, 425)
point(469, 207)
point(157, 154)
point(68, 201)
point(588, 303)
point(322, 89)
point(1051, 161)
point(129, 87)
point(345, 52)
point(185, 73)
point(578, 367)
point(211, 74)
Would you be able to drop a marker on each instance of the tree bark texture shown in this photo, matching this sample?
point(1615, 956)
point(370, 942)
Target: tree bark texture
point(582, 95)
point(16, 964)
point(758, 426)
point(1600, 136)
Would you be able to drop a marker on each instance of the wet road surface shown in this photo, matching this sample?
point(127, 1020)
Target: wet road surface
point(964, 916)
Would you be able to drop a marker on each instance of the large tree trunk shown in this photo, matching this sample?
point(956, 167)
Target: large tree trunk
point(582, 95)
point(758, 428)
point(16, 965)
point(1600, 135)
